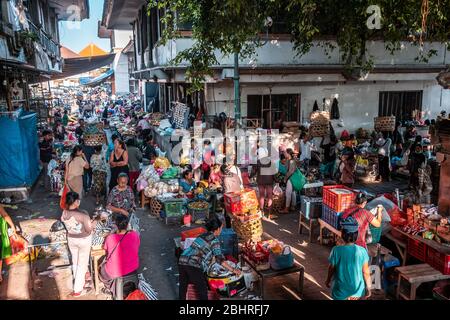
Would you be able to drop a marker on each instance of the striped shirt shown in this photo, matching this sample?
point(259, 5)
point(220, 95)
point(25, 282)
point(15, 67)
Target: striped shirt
point(364, 218)
point(202, 251)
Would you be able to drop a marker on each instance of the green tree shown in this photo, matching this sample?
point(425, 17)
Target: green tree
point(231, 26)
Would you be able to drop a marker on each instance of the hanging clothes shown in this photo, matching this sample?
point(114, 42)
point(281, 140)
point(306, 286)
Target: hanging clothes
point(335, 110)
point(316, 106)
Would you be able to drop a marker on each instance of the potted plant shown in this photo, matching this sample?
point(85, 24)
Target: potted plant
point(28, 38)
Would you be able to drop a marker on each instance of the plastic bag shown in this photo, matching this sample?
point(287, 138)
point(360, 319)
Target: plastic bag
point(161, 163)
point(284, 260)
point(298, 180)
point(277, 191)
point(62, 202)
point(137, 295)
point(388, 207)
point(170, 173)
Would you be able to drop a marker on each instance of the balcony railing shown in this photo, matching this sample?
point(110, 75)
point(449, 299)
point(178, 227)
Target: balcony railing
point(51, 47)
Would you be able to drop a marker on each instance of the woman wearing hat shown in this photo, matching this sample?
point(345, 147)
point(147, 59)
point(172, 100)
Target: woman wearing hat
point(349, 267)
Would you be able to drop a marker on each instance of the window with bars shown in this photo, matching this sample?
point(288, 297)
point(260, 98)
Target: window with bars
point(400, 104)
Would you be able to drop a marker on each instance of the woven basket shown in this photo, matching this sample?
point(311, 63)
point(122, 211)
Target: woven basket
point(248, 231)
point(278, 203)
point(320, 118)
point(319, 130)
point(384, 123)
point(93, 140)
point(155, 207)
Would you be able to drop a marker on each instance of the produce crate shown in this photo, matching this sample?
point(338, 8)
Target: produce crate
point(173, 208)
point(338, 202)
point(232, 202)
point(417, 249)
point(156, 207)
point(248, 231)
point(330, 216)
point(384, 123)
point(173, 220)
point(199, 214)
point(192, 294)
point(438, 260)
point(93, 140)
point(311, 207)
point(193, 233)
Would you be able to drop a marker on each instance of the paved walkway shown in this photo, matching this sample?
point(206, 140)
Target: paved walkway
point(157, 260)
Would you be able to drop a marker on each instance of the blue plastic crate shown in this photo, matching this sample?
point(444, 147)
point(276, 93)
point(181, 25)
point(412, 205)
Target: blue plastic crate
point(229, 242)
point(311, 207)
point(330, 216)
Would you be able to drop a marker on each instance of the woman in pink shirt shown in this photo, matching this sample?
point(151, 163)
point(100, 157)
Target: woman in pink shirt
point(122, 254)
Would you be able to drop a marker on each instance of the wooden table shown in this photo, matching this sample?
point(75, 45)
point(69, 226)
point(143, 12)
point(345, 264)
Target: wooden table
point(267, 274)
point(430, 243)
point(96, 254)
point(30, 248)
point(308, 224)
point(399, 244)
point(371, 248)
point(416, 275)
point(325, 225)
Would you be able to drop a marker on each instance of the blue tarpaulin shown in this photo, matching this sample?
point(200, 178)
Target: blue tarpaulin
point(19, 150)
point(97, 80)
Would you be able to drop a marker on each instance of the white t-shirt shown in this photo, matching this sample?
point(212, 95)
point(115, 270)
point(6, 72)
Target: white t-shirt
point(385, 147)
point(305, 149)
point(144, 124)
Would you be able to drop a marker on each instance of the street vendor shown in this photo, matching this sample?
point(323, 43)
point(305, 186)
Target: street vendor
point(187, 183)
point(79, 131)
point(150, 151)
point(349, 267)
point(215, 178)
point(5, 246)
point(363, 218)
point(121, 198)
point(194, 262)
point(232, 179)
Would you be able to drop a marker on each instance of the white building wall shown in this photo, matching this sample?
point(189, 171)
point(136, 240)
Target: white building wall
point(121, 76)
point(122, 38)
point(280, 52)
point(358, 102)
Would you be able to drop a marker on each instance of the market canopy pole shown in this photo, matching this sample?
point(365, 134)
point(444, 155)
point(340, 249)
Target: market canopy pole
point(237, 95)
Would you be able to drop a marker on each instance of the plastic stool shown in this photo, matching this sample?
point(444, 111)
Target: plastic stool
point(389, 262)
point(124, 281)
point(375, 275)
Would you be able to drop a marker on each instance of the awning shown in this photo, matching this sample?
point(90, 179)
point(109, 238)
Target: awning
point(97, 80)
point(74, 66)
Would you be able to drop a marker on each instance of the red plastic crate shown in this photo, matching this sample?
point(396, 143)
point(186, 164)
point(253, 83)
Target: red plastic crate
point(417, 249)
point(438, 260)
point(338, 202)
point(192, 233)
point(192, 294)
point(232, 202)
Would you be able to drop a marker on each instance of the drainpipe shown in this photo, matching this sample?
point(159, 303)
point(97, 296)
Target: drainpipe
point(237, 96)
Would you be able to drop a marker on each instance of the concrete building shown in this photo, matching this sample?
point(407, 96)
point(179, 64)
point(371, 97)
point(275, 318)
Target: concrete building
point(30, 49)
point(276, 80)
point(119, 41)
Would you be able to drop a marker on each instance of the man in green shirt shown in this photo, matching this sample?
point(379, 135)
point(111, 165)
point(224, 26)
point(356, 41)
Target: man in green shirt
point(65, 119)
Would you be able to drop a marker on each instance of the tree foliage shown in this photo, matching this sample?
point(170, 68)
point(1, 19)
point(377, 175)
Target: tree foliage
point(230, 26)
